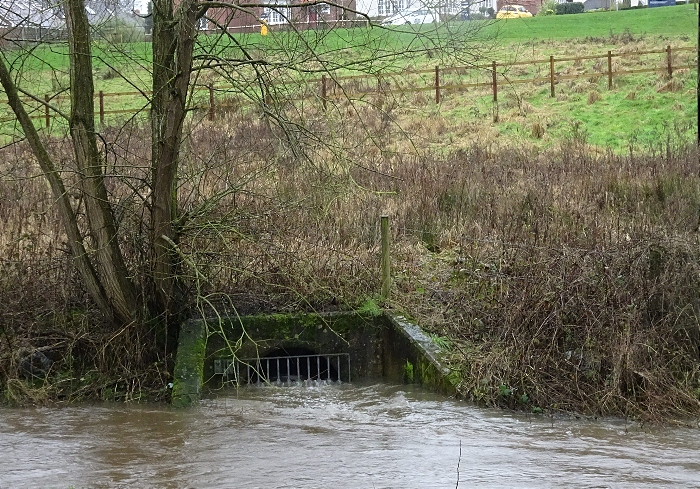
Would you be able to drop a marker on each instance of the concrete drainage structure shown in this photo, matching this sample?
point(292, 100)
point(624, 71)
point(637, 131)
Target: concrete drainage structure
point(281, 348)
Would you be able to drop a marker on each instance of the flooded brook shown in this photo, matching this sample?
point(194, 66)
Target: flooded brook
point(334, 436)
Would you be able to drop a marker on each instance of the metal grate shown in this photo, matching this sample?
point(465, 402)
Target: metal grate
point(329, 367)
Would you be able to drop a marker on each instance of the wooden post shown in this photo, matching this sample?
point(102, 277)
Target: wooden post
point(495, 83)
point(609, 70)
point(551, 76)
point(102, 108)
point(386, 263)
point(669, 61)
point(437, 84)
point(211, 103)
point(47, 115)
point(323, 91)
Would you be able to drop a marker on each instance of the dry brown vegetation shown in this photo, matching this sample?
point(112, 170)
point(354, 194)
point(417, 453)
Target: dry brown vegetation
point(563, 279)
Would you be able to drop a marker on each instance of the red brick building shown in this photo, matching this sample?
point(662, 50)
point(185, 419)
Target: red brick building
point(286, 12)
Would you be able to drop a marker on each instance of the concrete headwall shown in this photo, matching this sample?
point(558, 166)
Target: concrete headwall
point(411, 356)
point(379, 345)
point(357, 334)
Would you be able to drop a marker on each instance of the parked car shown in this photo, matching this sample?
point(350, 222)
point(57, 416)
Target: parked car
point(420, 16)
point(513, 12)
point(661, 3)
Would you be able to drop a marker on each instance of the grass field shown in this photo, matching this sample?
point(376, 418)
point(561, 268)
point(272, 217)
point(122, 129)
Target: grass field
point(672, 23)
point(680, 21)
point(612, 120)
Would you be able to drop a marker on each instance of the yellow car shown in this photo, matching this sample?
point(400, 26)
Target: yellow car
point(513, 12)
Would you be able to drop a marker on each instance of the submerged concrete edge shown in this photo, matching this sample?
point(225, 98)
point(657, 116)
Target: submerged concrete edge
point(422, 359)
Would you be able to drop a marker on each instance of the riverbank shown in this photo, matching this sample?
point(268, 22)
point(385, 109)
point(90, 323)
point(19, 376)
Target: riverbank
point(560, 280)
point(560, 273)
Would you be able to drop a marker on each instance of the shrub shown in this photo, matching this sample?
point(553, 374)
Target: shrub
point(569, 8)
point(549, 7)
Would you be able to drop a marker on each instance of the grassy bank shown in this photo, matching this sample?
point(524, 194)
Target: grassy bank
point(562, 279)
point(525, 113)
point(680, 20)
point(609, 117)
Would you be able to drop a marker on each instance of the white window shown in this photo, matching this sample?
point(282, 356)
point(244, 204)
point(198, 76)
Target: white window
point(277, 15)
point(453, 6)
point(389, 7)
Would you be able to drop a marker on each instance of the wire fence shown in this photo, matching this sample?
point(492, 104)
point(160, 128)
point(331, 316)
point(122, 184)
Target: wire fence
point(440, 81)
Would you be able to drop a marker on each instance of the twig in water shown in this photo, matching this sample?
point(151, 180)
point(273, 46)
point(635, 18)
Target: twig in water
point(458, 461)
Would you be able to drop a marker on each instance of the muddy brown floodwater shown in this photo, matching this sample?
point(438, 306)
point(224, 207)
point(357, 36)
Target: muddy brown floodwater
point(334, 436)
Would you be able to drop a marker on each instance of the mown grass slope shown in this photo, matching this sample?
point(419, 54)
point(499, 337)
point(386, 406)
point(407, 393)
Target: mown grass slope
point(679, 21)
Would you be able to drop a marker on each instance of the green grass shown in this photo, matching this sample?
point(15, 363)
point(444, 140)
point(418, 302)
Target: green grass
point(644, 122)
point(613, 121)
point(678, 21)
point(634, 114)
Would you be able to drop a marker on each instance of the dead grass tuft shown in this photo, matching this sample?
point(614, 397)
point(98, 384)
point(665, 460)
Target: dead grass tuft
point(537, 130)
point(672, 85)
point(583, 87)
point(593, 97)
point(526, 108)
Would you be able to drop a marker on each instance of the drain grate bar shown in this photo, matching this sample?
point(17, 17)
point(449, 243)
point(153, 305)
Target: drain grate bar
point(295, 368)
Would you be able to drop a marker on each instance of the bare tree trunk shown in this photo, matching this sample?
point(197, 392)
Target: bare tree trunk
point(110, 264)
point(174, 34)
point(68, 218)
point(101, 265)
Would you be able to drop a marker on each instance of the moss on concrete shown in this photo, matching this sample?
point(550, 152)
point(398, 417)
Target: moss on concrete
point(188, 375)
point(408, 374)
point(419, 358)
point(358, 334)
point(379, 345)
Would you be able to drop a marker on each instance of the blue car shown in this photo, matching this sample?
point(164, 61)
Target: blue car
point(661, 3)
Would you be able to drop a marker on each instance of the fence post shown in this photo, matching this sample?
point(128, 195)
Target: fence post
point(669, 61)
point(211, 103)
point(47, 116)
point(551, 76)
point(102, 108)
point(437, 84)
point(386, 263)
point(609, 70)
point(323, 90)
point(495, 84)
